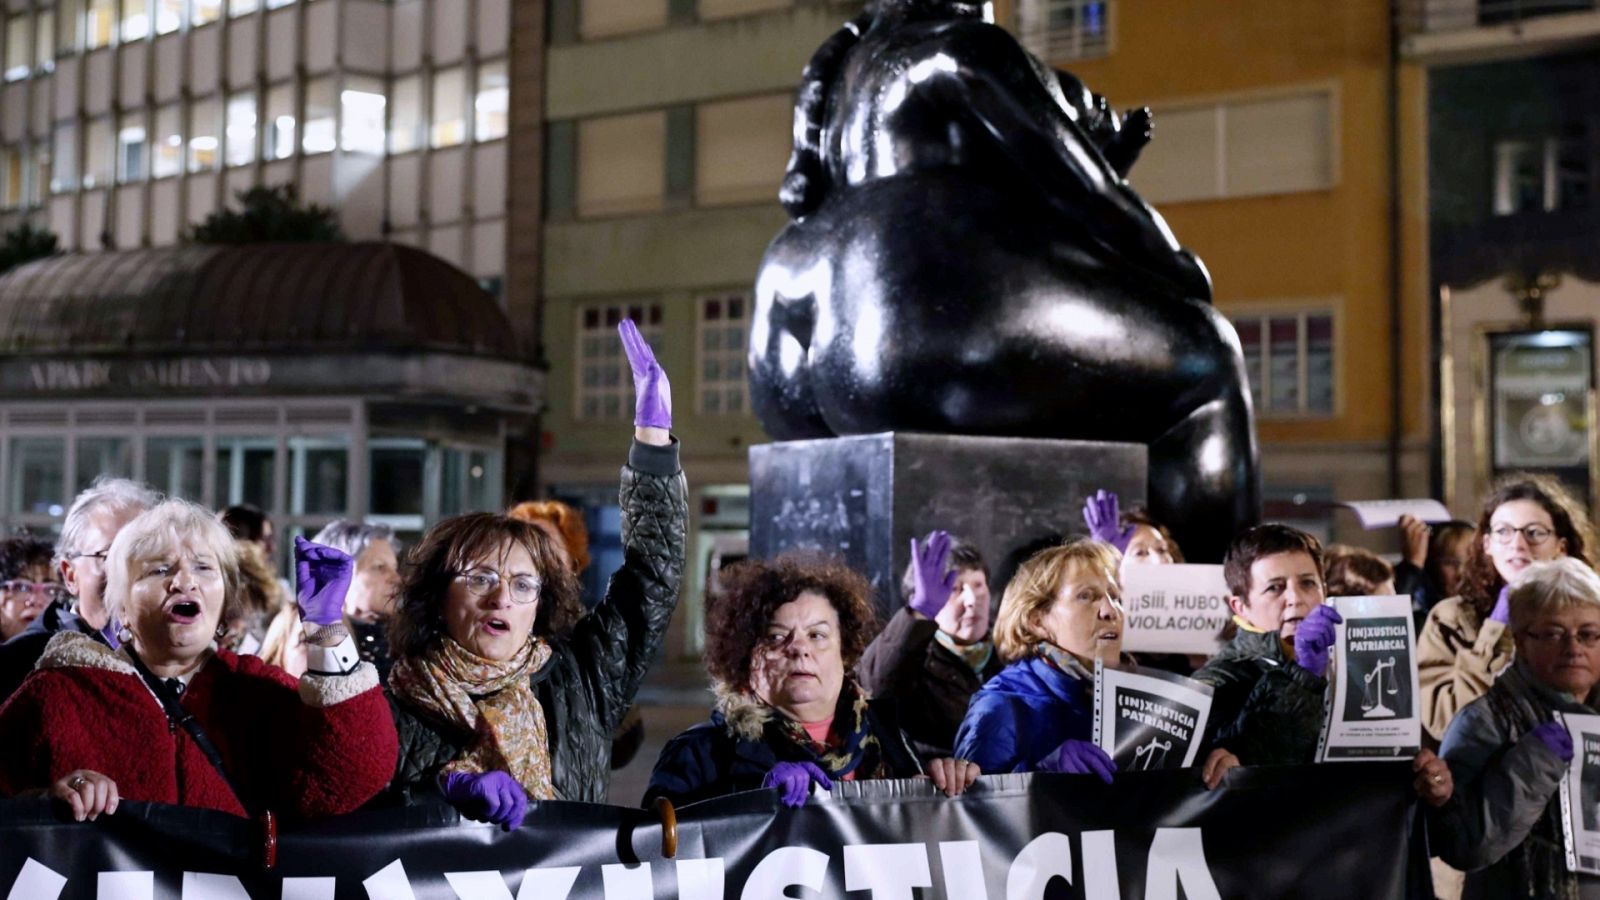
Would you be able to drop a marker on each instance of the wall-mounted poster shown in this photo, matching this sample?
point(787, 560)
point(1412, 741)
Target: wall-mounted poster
point(1539, 386)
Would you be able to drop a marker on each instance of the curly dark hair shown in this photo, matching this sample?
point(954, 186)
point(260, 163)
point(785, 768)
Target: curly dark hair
point(753, 590)
point(451, 546)
point(22, 552)
point(1480, 580)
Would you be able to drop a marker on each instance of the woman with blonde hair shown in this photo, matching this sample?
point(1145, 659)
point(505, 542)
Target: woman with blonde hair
point(1061, 613)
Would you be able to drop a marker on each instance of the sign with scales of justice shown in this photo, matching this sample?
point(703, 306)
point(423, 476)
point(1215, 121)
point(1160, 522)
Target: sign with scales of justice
point(1371, 709)
point(1372, 700)
point(1148, 719)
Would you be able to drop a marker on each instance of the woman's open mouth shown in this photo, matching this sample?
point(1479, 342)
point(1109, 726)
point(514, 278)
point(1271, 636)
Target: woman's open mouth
point(184, 611)
point(496, 626)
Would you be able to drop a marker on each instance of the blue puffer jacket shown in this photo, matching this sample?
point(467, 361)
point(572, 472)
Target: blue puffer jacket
point(1023, 714)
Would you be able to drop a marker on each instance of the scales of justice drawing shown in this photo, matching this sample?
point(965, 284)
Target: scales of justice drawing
point(1372, 705)
point(1152, 755)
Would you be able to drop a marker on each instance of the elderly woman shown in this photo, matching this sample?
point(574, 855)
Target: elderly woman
point(502, 690)
point(1508, 754)
point(169, 718)
point(781, 641)
point(1061, 612)
point(1465, 641)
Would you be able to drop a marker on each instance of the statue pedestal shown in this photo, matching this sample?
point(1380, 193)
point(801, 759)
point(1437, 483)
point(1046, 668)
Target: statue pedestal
point(863, 498)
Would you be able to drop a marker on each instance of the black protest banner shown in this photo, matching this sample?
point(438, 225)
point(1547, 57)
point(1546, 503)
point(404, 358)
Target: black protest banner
point(1304, 832)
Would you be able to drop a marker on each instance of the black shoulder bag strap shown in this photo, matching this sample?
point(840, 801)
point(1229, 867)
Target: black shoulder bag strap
point(180, 716)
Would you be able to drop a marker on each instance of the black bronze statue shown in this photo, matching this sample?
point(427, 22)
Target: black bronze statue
point(966, 257)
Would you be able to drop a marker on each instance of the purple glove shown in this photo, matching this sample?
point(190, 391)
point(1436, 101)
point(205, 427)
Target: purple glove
point(1313, 640)
point(1080, 758)
point(493, 797)
point(932, 583)
point(1102, 515)
point(793, 781)
point(1554, 736)
point(1502, 607)
point(110, 633)
point(652, 392)
point(321, 579)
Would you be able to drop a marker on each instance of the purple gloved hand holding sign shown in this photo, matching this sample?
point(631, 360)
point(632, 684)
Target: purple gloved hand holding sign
point(1313, 640)
point(793, 781)
point(493, 797)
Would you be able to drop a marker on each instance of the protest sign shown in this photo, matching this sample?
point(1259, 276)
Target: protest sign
point(1375, 514)
point(1174, 609)
point(1149, 719)
point(1372, 710)
point(1580, 794)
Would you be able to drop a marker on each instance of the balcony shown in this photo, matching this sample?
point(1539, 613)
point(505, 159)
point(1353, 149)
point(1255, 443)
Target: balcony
point(1450, 32)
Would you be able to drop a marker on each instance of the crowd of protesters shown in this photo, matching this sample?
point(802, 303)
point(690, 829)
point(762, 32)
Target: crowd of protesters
point(474, 674)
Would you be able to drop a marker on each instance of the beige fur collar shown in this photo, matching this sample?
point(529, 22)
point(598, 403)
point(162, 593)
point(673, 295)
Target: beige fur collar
point(69, 649)
point(746, 715)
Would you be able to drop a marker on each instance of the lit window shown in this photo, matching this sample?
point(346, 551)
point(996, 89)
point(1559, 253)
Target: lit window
point(64, 159)
point(132, 147)
point(724, 380)
point(1289, 360)
point(276, 4)
point(99, 21)
point(204, 12)
point(280, 122)
point(361, 110)
point(405, 130)
point(492, 103)
point(740, 147)
point(319, 134)
point(605, 383)
point(622, 164)
point(1056, 30)
point(97, 154)
point(167, 158)
point(243, 7)
point(17, 63)
point(135, 19)
point(169, 16)
point(1542, 174)
point(44, 40)
point(204, 135)
point(449, 108)
point(241, 129)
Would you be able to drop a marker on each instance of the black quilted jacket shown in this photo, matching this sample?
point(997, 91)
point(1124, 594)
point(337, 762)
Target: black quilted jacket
point(1265, 709)
point(591, 679)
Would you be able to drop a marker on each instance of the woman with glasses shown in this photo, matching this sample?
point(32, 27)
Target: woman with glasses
point(502, 690)
point(26, 586)
point(1465, 641)
point(1508, 753)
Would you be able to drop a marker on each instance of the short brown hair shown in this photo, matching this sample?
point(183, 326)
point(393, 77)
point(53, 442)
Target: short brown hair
point(567, 521)
point(1262, 541)
point(1353, 571)
point(449, 547)
point(1036, 586)
point(1480, 580)
point(754, 589)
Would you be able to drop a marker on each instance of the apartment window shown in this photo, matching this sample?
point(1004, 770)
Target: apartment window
point(44, 40)
point(491, 104)
point(97, 154)
point(1240, 148)
point(204, 12)
point(240, 130)
point(167, 158)
point(135, 19)
point(99, 22)
point(449, 126)
point(204, 135)
point(17, 64)
point(133, 147)
point(64, 159)
point(320, 135)
point(740, 147)
point(1289, 358)
point(724, 380)
point(604, 18)
point(1542, 174)
point(169, 16)
point(622, 164)
point(405, 129)
point(280, 124)
point(605, 383)
point(12, 167)
point(1057, 30)
point(361, 108)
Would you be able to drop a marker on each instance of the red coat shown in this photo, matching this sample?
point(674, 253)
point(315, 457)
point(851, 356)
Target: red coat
point(320, 749)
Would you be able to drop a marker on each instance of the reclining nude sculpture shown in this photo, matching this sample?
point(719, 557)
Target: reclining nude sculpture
point(965, 257)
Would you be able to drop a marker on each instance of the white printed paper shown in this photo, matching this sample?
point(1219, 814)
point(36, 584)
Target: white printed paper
point(1372, 709)
point(1580, 794)
point(1149, 719)
point(1174, 609)
point(1375, 514)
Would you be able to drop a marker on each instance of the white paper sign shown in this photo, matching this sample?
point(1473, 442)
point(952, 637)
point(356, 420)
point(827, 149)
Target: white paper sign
point(1149, 719)
point(1375, 514)
point(1174, 609)
point(1580, 794)
point(1372, 709)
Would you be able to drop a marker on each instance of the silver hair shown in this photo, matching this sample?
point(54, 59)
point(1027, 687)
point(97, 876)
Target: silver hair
point(354, 537)
point(1549, 586)
point(118, 495)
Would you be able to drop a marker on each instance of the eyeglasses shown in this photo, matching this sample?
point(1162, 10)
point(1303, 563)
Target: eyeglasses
point(1588, 637)
point(49, 590)
point(101, 556)
point(1535, 534)
point(483, 582)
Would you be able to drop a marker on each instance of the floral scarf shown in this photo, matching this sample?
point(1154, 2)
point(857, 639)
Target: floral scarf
point(852, 747)
point(493, 701)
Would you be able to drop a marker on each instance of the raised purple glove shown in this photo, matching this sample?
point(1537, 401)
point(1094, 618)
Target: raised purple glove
point(321, 579)
point(932, 583)
point(1080, 758)
point(1313, 640)
point(652, 406)
point(1502, 607)
point(793, 781)
point(1102, 515)
point(493, 797)
point(1555, 736)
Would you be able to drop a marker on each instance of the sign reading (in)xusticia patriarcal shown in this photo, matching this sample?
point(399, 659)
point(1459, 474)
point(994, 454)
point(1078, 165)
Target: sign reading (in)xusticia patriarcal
point(1580, 794)
point(1372, 710)
point(1149, 719)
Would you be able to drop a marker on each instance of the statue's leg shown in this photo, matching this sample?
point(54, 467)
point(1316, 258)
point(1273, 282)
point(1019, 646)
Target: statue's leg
point(1205, 482)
